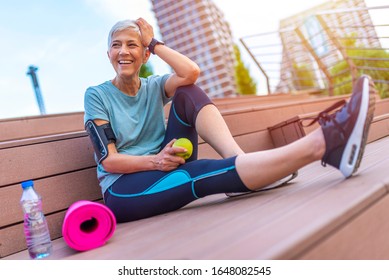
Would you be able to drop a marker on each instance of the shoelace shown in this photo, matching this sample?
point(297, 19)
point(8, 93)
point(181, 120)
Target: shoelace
point(324, 115)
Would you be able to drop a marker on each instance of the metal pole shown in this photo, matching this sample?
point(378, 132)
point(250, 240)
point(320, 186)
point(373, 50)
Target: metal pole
point(259, 66)
point(334, 39)
point(32, 72)
point(321, 65)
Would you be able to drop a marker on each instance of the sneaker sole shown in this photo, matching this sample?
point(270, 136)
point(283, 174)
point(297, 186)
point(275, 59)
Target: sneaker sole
point(277, 184)
point(355, 147)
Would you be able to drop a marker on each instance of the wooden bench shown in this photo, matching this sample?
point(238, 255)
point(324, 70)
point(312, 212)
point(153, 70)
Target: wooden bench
point(252, 101)
point(63, 169)
point(318, 216)
point(35, 126)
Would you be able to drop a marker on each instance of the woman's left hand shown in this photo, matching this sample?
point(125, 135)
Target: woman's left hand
point(146, 31)
point(166, 159)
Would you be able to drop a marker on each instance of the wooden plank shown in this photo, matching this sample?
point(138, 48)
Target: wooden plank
point(63, 194)
point(45, 159)
point(41, 139)
point(280, 223)
point(310, 105)
point(251, 142)
point(276, 98)
point(252, 103)
point(293, 129)
point(42, 125)
point(364, 237)
point(313, 217)
point(381, 107)
point(37, 126)
point(379, 128)
point(256, 120)
point(34, 126)
point(249, 137)
point(74, 150)
point(255, 141)
point(260, 118)
point(272, 209)
point(58, 193)
point(250, 98)
point(12, 238)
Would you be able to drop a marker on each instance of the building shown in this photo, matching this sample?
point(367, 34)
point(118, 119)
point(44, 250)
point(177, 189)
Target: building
point(321, 49)
point(322, 32)
point(197, 29)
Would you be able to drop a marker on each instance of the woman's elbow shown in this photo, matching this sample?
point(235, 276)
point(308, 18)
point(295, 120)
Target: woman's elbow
point(194, 73)
point(108, 165)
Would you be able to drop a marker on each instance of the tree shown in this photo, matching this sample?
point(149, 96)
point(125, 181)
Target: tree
point(146, 70)
point(304, 76)
point(245, 84)
point(373, 62)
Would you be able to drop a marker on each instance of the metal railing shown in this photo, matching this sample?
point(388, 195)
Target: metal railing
point(326, 52)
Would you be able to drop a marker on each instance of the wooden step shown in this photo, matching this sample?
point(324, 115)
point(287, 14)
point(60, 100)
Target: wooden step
point(62, 166)
point(314, 214)
point(35, 126)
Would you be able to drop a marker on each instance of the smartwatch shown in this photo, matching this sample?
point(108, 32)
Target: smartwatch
point(153, 43)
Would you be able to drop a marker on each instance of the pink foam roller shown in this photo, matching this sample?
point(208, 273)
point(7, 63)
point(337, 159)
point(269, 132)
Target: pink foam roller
point(88, 225)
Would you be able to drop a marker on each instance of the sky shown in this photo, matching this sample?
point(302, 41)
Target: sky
point(67, 42)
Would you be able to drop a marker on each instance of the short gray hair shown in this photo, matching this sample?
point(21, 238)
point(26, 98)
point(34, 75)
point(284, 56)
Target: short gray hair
point(122, 25)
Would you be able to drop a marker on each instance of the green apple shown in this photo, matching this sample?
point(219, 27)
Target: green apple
point(184, 143)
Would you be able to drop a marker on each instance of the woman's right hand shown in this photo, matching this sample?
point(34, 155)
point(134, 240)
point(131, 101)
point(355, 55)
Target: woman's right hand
point(166, 159)
point(146, 31)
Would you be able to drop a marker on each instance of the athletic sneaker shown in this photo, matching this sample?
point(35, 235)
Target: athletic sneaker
point(346, 130)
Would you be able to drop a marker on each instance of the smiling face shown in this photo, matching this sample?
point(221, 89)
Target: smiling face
point(126, 53)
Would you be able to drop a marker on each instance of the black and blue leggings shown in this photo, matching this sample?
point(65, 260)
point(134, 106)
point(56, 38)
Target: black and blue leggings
point(144, 194)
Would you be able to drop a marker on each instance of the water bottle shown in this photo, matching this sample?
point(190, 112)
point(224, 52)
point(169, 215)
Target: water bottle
point(35, 225)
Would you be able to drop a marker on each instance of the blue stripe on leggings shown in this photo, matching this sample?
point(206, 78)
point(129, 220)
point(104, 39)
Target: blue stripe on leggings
point(178, 118)
point(170, 181)
point(210, 174)
point(173, 180)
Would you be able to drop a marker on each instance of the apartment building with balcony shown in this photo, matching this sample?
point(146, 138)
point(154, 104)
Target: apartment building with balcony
point(197, 29)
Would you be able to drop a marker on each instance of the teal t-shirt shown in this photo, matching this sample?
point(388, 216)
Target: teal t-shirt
point(138, 122)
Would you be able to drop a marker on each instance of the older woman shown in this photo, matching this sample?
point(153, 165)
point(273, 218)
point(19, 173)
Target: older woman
point(139, 172)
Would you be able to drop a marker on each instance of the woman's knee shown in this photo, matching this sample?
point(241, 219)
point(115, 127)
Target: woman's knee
point(188, 101)
point(189, 89)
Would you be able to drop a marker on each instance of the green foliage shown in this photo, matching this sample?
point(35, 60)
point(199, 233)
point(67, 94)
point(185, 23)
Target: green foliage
point(349, 41)
point(361, 58)
point(304, 77)
point(146, 70)
point(341, 78)
point(245, 84)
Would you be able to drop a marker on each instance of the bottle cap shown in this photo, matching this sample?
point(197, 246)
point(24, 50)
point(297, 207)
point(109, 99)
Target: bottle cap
point(27, 184)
